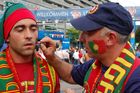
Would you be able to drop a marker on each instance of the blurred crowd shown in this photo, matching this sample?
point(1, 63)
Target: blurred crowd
point(73, 55)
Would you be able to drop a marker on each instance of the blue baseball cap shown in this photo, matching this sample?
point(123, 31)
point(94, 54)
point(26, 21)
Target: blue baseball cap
point(110, 15)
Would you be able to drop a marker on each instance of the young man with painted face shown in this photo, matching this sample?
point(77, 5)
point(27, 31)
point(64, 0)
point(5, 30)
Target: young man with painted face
point(105, 32)
point(22, 70)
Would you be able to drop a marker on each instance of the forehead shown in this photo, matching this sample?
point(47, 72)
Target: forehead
point(101, 30)
point(25, 22)
point(89, 32)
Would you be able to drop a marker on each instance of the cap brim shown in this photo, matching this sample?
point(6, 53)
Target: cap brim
point(84, 24)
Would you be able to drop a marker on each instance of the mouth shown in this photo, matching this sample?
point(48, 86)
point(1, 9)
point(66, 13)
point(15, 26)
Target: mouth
point(29, 45)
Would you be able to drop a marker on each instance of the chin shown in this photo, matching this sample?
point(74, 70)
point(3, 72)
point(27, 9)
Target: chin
point(28, 53)
point(92, 55)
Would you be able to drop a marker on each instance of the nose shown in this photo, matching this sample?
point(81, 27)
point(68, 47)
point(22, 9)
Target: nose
point(28, 34)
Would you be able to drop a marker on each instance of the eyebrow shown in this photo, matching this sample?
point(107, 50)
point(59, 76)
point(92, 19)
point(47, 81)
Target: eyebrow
point(32, 25)
point(19, 26)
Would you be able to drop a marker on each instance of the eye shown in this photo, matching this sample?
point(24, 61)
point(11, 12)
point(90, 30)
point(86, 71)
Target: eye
point(33, 29)
point(19, 29)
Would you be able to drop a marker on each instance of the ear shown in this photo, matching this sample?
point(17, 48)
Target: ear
point(7, 41)
point(111, 38)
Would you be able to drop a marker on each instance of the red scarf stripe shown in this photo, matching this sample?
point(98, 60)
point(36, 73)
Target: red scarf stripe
point(13, 69)
point(39, 79)
point(93, 77)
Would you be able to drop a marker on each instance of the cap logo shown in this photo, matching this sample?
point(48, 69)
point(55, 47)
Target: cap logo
point(93, 9)
point(132, 11)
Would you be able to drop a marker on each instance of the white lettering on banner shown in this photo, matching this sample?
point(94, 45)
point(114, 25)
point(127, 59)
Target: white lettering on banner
point(52, 14)
point(66, 42)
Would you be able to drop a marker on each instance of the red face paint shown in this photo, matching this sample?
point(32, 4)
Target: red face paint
point(97, 46)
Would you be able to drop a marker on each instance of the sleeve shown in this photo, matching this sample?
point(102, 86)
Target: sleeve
point(79, 71)
point(133, 84)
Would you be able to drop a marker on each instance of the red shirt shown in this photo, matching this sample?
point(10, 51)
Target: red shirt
point(25, 73)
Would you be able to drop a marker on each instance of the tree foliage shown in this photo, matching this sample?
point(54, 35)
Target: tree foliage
point(73, 35)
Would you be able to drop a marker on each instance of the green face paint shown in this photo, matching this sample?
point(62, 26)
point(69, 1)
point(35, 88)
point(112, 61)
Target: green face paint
point(93, 47)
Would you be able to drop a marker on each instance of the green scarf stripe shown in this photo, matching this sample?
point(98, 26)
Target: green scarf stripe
point(1, 32)
point(131, 50)
point(35, 74)
point(52, 73)
point(5, 71)
point(87, 74)
point(119, 87)
point(3, 83)
point(3, 62)
point(116, 74)
point(45, 79)
point(3, 55)
point(130, 60)
point(1, 38)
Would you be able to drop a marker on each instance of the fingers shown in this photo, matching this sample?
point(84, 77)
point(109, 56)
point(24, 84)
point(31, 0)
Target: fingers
point(43, 47)
point(48, 46)
point(48, 41)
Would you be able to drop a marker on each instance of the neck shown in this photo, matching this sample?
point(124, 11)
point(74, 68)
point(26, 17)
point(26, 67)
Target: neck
point(18, 58)
point(108, 58)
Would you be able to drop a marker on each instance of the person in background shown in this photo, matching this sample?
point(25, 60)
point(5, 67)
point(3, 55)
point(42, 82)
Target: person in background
point(81, 56)
point(76, 56)
point(138, 52)
point(105, 32)
point(22, 70)
point(87, 58)
point(63, 54)
point(71, 52)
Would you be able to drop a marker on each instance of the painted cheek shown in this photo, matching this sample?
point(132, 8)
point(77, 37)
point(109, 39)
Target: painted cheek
point(97, 46)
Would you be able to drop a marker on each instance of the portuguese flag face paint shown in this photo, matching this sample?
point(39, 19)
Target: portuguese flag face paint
point(97, 46)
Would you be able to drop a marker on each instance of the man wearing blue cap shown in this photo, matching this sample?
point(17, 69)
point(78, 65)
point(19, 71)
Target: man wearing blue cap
point(105, 32)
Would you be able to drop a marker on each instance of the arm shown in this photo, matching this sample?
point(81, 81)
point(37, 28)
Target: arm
point(63, 68)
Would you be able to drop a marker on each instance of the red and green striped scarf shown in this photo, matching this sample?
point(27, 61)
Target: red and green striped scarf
point(44, 75)
point(112, 80)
